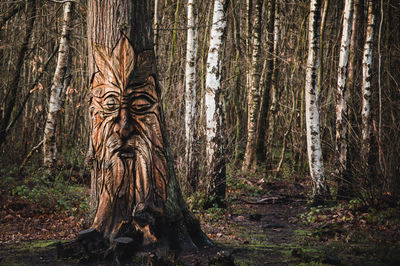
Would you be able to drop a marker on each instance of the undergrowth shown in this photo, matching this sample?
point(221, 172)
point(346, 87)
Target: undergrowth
point(43, 194)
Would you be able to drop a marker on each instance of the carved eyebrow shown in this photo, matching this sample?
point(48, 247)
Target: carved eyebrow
point(137, 85)
point(110, 94)
point(142, 94)
point(100, 87)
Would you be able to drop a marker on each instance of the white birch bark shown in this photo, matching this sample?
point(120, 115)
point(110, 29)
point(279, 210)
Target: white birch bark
point(216, 178)
point(58, 83)
point(311, 96)
point(213, 78)
point(342, 91)
point(190, 86)
point(366, 83)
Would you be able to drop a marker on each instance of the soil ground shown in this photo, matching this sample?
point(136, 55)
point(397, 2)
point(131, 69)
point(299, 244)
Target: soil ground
point(269, 225)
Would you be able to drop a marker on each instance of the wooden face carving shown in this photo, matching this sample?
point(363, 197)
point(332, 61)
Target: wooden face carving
point(129, 158)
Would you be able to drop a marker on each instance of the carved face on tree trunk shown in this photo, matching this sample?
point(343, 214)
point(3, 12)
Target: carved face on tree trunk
point(129, 157)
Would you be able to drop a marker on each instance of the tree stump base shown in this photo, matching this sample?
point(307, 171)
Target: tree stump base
point(91, 247)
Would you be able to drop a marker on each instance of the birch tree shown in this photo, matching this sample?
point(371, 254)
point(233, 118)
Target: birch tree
point(342, 97)
point(216, 178)
point(274, 87)
point(366, 129)
point(320, 188)
point(253, 97)
point(191, 112)
point(60, 82)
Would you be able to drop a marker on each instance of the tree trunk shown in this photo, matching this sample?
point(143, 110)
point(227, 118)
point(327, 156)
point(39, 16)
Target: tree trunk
point(191, 107)
point(11, 97)
point(275, 94)
point(236, 96)
point(354, 70)
point(136, 191)
point(249, 10)
point(253, 97)
point(320, 188)
point(60, 82)
point(262, 125)
point(156, 27)
point(216, 177)
point(342, 101)
point(366, 129)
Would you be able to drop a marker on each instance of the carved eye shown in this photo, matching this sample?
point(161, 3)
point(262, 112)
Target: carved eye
point(142, 104)
point(111, 103)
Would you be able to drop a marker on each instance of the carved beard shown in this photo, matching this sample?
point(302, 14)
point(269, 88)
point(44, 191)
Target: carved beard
point(130, 162)
point(125, 179)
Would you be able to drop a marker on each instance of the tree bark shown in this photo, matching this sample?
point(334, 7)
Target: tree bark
point(60, 82)
point(354, 71)
point(11, 97)
point(136, 191)
point(262, 122)
point(191, 107)
point(320, 188)
point(253, 97)
point(237, 90)
point(275, 94)
point(366, 129)
point(342, 117)
point(216, 176)
point(156, 27)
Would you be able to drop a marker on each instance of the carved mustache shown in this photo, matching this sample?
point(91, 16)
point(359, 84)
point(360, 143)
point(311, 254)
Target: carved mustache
point(126, 148)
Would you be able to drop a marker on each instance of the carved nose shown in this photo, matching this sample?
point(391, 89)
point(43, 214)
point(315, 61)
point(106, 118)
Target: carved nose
point(124, 126)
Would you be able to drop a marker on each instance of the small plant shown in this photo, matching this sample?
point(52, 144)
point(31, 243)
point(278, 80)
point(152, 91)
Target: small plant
point(44, 195)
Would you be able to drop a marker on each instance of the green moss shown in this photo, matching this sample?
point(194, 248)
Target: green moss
point(302, 232)
point(32, 246)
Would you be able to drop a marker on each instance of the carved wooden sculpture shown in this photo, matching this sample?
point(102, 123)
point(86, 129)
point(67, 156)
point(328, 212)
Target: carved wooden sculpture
point(131, 166)
point(133, 184)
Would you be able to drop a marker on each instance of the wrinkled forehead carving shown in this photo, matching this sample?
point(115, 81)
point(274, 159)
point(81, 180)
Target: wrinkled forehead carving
point(122, 70)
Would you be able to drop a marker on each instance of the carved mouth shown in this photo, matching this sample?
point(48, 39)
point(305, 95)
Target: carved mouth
point(126, 154)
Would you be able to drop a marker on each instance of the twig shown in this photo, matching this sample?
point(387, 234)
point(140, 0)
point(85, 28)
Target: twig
point(268, 200)
point(379, 147)
point(30, 155)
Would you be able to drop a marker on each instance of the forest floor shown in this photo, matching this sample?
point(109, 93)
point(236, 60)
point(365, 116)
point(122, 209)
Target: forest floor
point(265, 223)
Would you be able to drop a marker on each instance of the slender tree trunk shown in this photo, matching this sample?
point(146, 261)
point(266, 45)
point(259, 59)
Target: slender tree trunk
point(321, 42)
point(216, 179)
point(204, 54)
point(173, 46)
point(249, 10)
point(262, 122)
point(366, 130)
point(342, 101)
point(137, 194)
point(11, 97)
point(354, 71)
point(275, 94)
point(191, 107)
point(236, 99)
point(156, 27)
point(60, 82)
point(320, 188)
point(253, 97)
